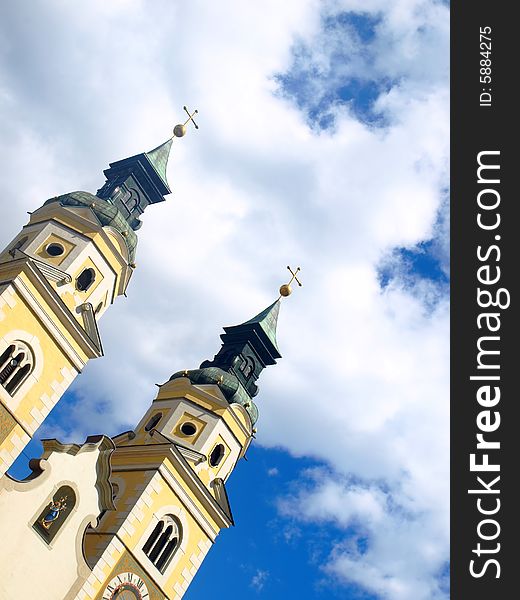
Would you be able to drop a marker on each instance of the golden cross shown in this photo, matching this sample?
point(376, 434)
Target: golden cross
point(190, 117)
point(180, 129)
point(294, 273)
point(285, 289)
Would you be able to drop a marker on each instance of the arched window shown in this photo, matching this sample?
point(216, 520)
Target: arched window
point(132, 200)
point(216, 456)
point(163, 541)
point(153, 421)
point(16, 364)
point(54, 515)
point(85, 279)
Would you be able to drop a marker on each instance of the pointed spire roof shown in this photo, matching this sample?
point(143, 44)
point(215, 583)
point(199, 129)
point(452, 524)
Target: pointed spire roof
point(259, 332)
point(158, 158)
point(268, 320)
point(247, 349)
point(145, 172)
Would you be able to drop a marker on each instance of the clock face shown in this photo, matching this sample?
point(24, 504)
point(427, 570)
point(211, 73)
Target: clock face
point(126, 586)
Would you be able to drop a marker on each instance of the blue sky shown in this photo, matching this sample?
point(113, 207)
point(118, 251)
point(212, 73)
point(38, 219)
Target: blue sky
point(323, 143)
point(265, 555)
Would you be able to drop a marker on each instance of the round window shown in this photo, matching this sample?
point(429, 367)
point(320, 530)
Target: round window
point(55, 249)
point(188, 429)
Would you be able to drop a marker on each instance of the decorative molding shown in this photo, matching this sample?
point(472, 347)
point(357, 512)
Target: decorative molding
point(188, 453)
point(60, 310)
point(222, 497)
point(202, 393)
point(156, 462)
point(191, 454)
point(90, 324)
point(156, 453)
point(66, 216)
point(199, 490)
point(49, 271)
point(105, 446)
point(192, 400)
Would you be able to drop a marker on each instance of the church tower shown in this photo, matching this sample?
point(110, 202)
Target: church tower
point(130, 517)
point(169, 474)
point(57, 277)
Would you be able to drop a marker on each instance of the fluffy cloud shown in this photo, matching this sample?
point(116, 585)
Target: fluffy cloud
point(258, 580)
point(363, 382)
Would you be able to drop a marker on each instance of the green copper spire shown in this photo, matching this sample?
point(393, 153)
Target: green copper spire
point(267, 320)
point(136, 182)
point(159, 159)
point(247, 349)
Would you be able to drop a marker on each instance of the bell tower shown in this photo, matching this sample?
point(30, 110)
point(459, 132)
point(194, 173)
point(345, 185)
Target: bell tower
point(57, 277)
point(170, 473)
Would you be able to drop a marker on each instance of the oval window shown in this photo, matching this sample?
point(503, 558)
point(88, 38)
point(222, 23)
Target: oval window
point(55, 249)
point(188, 429)
point(85, 280)
point(153, 421)
point(216, 455)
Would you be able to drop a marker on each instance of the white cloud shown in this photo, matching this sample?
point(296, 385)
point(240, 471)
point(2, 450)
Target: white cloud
point(363, 381)
point(381, 532)
point(259, 579)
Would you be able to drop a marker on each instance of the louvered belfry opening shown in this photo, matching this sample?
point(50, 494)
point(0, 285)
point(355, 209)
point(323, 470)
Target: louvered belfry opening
point(162, 542)
point(16, 364)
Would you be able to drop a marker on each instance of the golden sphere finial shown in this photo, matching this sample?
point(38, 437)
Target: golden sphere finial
point(179, 130)
point(285, 290)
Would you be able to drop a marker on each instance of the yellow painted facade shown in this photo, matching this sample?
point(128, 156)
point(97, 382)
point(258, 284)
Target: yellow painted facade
point(162, 472)
point(135, 522)
point(42, 311)
point(157, 492)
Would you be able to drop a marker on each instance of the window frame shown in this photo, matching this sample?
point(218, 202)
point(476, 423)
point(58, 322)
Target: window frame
point(57, 493)
point(156, 544)
point(90, 283)
point(13, 350)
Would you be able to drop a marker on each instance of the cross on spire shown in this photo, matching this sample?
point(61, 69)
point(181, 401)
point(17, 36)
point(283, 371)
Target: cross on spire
point(190, 117)
point(294, 273)
point(285, 289)
point(180, 129)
